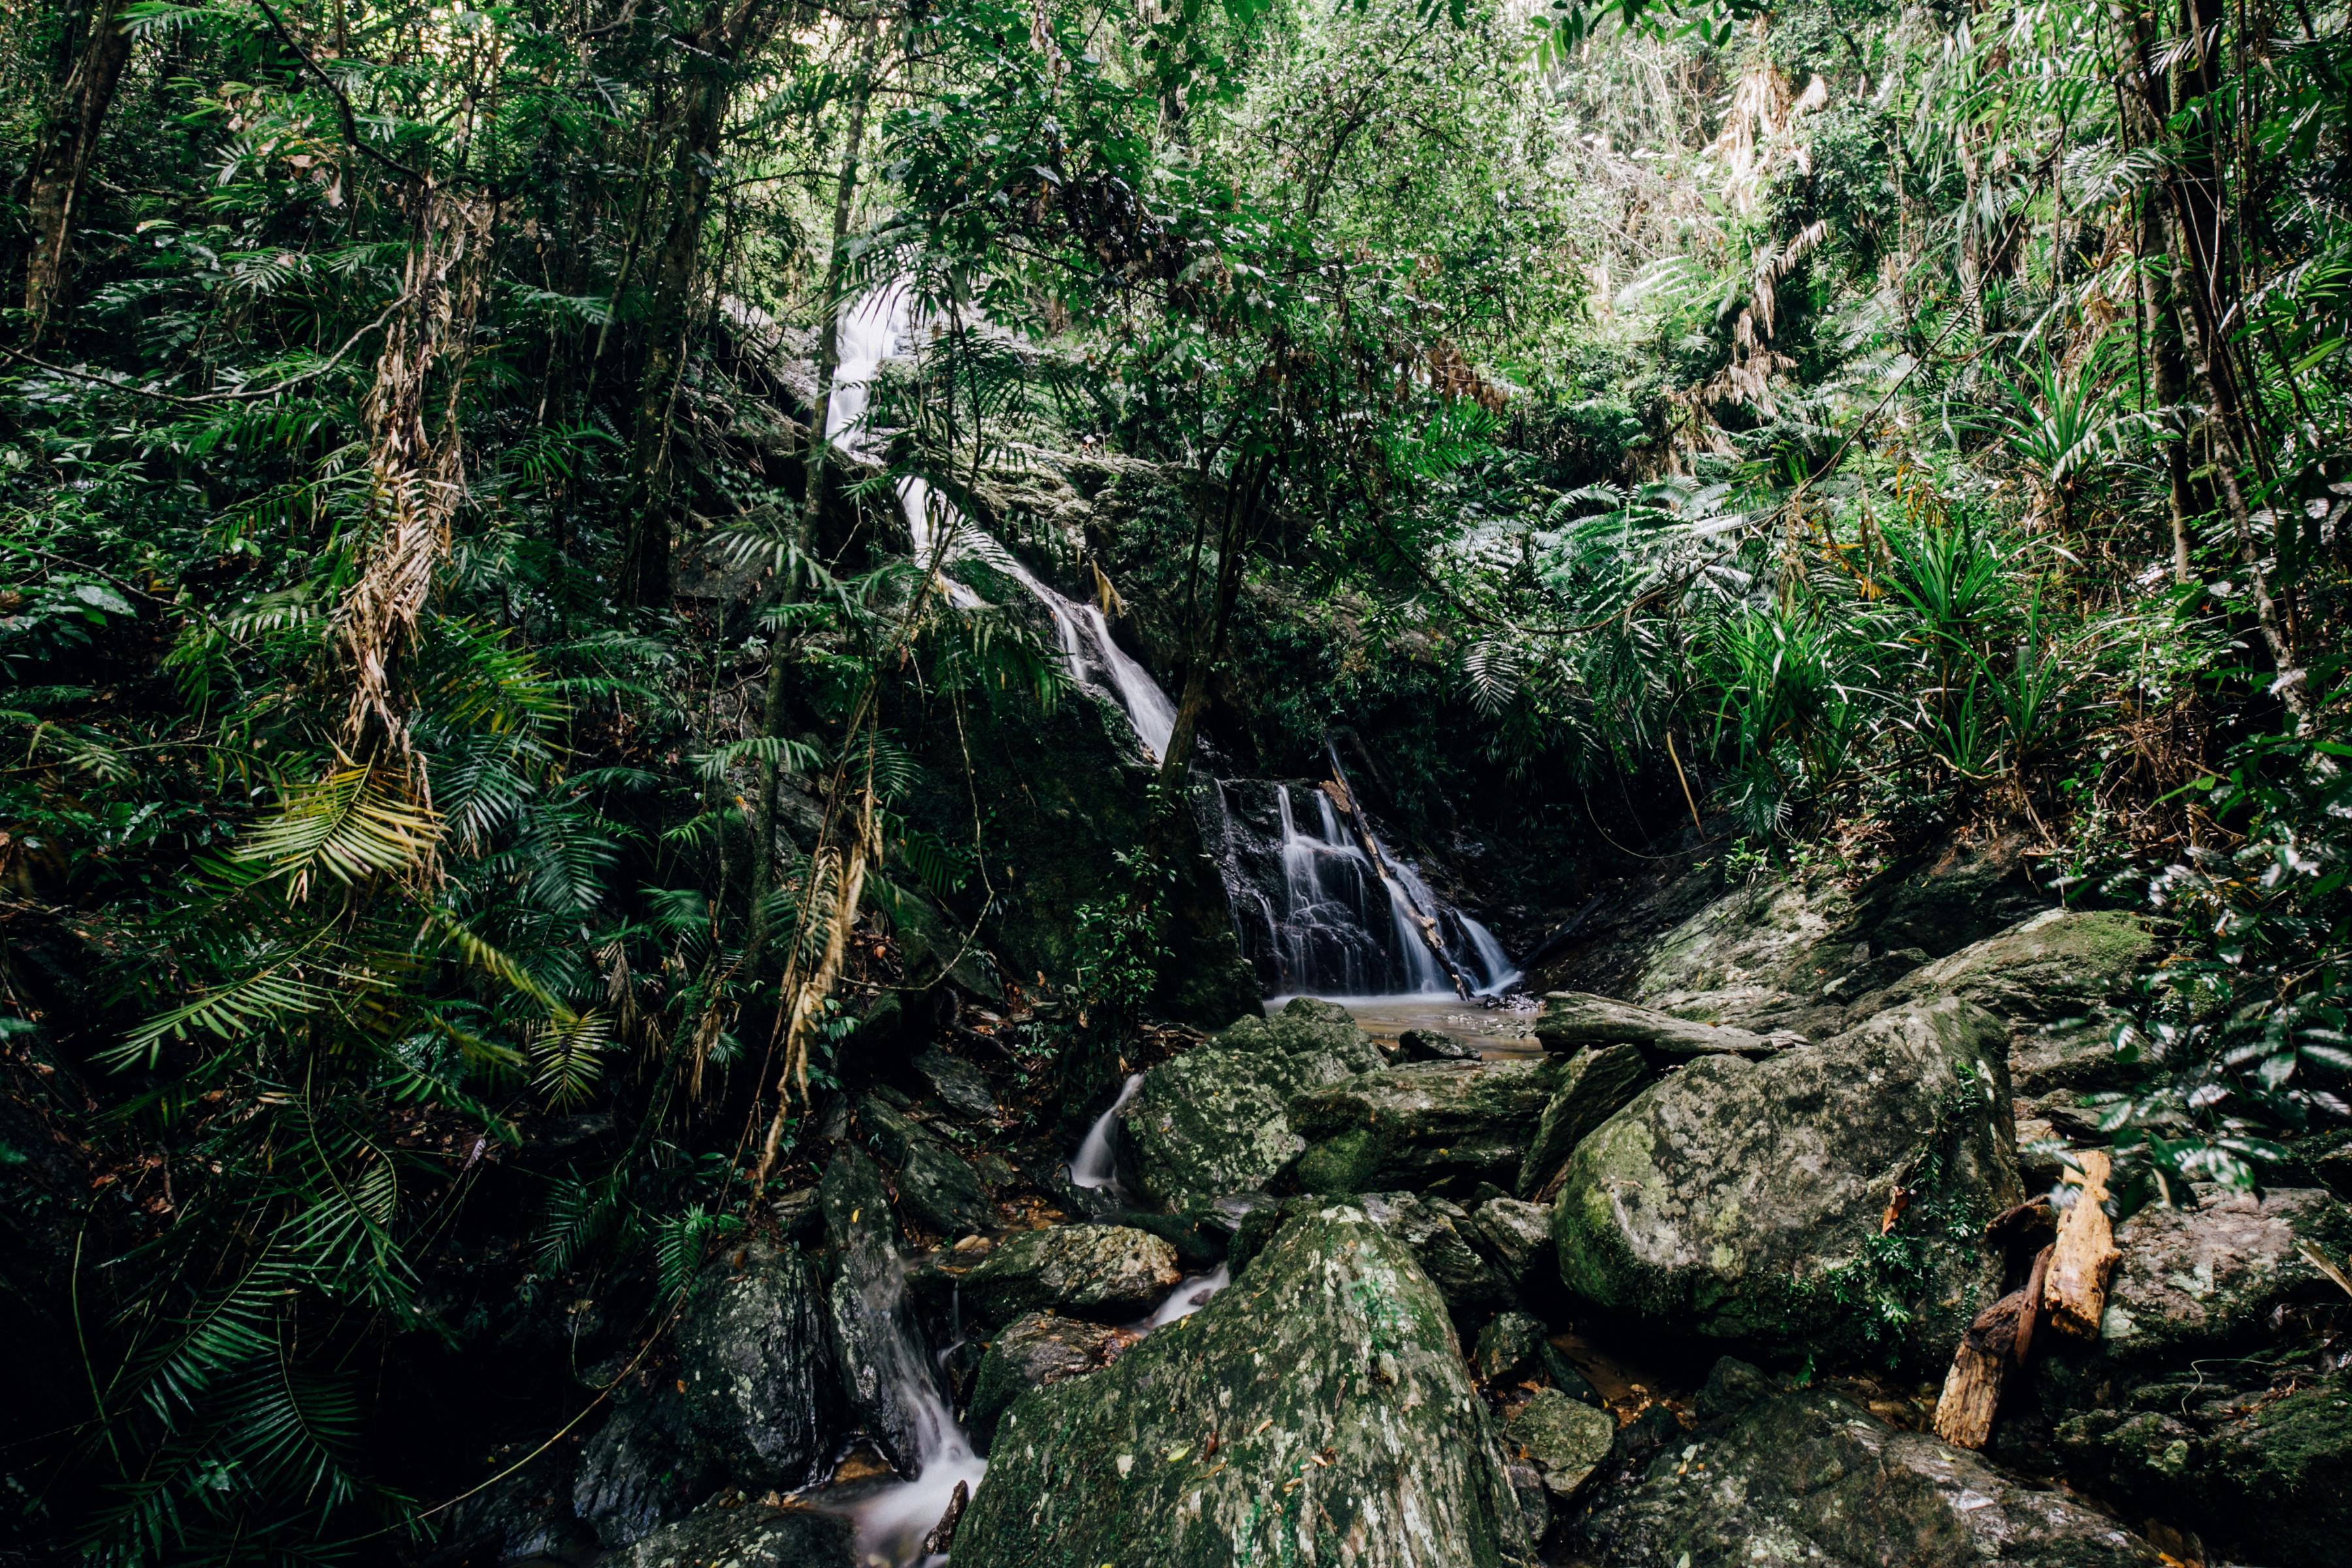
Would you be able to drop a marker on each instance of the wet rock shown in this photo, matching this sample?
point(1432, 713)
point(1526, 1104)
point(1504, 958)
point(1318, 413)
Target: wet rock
point(2199, 1278)
point(1316, 1413)
point(1212, 1122)
point(1429, 1046)
point(748, 1535)
point(1741, 1198)
point(1731, 1386)
point(1565, 1440)
point(525, 1515)
point(874, 1332)
point(1594, 1085)
point(1535, 1503)
point(1440, 1235)
point(640, 1467)
point(1031, 1351)
point(1111, 1271)
point(1572, 1020)
point(763, 1392)
point(1755, 959)
point(2061, 965)
point(1518, 1238)
point(1510, 1349)
point(1812, 1477)
point(957, 1084)
point(2266, 1472)
point(1444, 1125)
point(936, 1188)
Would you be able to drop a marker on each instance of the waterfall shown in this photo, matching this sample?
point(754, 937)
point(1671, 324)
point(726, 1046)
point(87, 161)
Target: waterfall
point(1095, 1165)
point(1325, 909)
point(875, 330)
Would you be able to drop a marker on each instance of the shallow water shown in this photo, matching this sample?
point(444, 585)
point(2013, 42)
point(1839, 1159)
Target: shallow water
point(1497, 1032)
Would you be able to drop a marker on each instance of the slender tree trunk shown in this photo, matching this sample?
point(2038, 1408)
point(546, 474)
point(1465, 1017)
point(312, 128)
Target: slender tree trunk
point(61, 158)
point(715, 50)
point(1241, 510)
point(772, 703)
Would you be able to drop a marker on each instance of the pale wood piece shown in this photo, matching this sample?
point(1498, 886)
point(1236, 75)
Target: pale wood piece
point(2075, 1293)
point(1971, 1394)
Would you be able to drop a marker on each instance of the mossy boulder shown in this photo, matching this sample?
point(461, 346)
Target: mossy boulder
point(1812, 1477)
point(1450, 1247)
point(1316, 1413)
point(1564, 1439)
point(1433, 1125)
point(2265, 1472)
point(1572, 1020)
point(1212, 1122)
point(1029, 1353)
point(871, 1312)
point(1517, 1240)
point(1744, 1199)
point(1111, 1271)
point(936, 1189)
point(746, 1535)
point(2060, 966)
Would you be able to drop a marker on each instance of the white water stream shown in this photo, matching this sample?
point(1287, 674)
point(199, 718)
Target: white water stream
point(1094, 1165)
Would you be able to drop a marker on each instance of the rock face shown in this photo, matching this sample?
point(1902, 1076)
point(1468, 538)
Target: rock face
point(936, 1188)
point(1436, 1125)
point(1443, 1239)
point(2194, 1279)
point(1518, 1240)
point(956, 1084)
point(1744, 1199)
point(1211, 1122)
point(2268, 1470)
point(749, 1535)
point(639, 1467)
point(2060, 964)
point(1814, 1479)
point(1030, 1352)
point(872, 1319)
point(1572, 1020)
point(1316, 1413)
point(1095, 1271)
point(763, 1392)
point(1594, 1087)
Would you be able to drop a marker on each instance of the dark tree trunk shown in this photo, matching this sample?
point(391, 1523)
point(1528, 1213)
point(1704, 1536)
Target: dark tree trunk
point(62, 154)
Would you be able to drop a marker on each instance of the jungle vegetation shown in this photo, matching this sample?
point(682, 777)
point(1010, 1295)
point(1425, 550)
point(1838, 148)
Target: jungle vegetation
point(1852, 423)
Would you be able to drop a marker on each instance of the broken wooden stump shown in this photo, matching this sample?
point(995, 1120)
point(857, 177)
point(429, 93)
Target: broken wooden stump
point(2075, 1294)
point(1996, 1344)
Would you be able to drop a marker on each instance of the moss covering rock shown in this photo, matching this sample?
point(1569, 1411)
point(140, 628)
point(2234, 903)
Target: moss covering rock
point(756, 1369)
point(2202, 1278)
point(1111, 1271)
point(1316, 1413)
point(1029, 1353)
point(1434, 1125)
point(1212, 1122)
point(1594, 1085)
point(1564, 1439)
point(746, 1535)
point(1744, 1199)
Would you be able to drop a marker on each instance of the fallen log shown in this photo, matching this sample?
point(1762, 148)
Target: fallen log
point(2075, 1293)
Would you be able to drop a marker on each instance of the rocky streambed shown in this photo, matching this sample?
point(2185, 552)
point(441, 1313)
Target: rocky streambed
point(1678, 1288)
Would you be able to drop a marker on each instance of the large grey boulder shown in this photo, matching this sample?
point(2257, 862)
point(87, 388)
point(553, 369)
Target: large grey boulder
point(1565, 1439)
point(1212, 1122)
point(1447, 1125)
point(748, 1535)
point(1517, 1237)
point(1594, 1085)
point(1755, 959)
point(1744, 1199)
point(641, 1467)
point(1030, 1352)
point(1112, 1271)
point(761, 1389)
point(1814, 1478)
point(1449, 1246)
point(1316, 1413)
point(2211, 1275)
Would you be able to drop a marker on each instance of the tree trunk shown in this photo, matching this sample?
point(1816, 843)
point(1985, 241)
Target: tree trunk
point(714, 52)
point(1241, 507)
point(61, 158)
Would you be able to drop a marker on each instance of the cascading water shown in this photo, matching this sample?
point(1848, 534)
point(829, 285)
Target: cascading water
point(873, 331)
point(1094, 1165)
point(1342, 917)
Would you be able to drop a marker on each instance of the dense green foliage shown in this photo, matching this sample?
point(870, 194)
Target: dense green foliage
point(465, 751)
